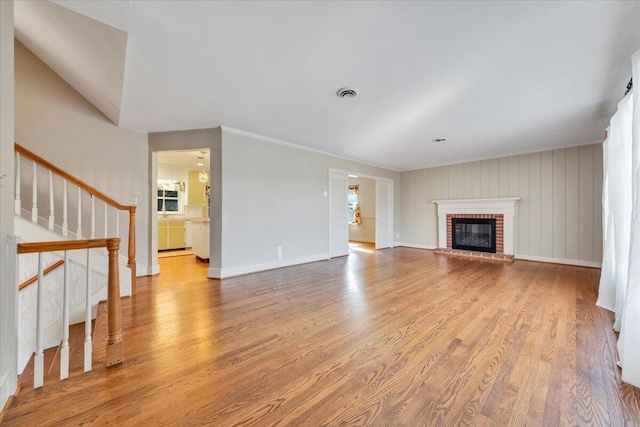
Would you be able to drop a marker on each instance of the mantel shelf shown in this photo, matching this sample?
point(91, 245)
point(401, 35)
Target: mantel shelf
point(487, 200)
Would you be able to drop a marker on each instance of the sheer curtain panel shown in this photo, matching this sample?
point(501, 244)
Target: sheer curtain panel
point(620, 278)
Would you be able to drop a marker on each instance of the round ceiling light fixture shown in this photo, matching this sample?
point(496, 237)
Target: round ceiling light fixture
point(441, 139)
point(347, 92)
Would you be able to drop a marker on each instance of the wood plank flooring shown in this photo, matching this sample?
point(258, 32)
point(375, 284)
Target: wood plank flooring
point(397, 337)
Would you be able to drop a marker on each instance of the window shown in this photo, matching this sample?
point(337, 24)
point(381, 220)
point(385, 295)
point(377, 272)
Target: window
point(168, 201)
point(353, 212)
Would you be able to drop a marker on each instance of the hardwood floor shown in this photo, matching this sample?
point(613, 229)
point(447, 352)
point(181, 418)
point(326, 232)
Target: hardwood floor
point(396, 337)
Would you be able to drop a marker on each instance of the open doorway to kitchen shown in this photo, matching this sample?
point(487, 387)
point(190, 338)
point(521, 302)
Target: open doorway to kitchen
point(182, 205)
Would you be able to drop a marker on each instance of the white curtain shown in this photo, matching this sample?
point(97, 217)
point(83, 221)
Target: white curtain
point(620, 278)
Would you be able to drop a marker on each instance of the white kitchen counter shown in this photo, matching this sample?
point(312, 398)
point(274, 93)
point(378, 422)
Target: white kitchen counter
point(200, 238)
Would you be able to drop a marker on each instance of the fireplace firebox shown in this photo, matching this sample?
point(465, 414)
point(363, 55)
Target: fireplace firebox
point(473, 234)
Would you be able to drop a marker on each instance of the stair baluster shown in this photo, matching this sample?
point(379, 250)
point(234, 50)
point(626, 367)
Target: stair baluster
point(34, 195)
point(38, 361)
point(93, 217)
point(79, 231)
point(65, 221)
point(17, 202)
point(51, 206)
point(88, 344)
point(64, 345)
point(106, 220)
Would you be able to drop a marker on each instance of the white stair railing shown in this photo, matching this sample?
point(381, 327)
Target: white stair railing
point(114, 343)
point(22, 154)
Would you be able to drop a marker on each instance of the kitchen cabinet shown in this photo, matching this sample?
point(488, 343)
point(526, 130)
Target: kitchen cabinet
point(171, 234)
point(195, 193)
point(200, 238)
point(187, 234)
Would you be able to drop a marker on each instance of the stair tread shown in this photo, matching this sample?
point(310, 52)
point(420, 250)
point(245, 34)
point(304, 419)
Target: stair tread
point(100, 335)
point(26, 378)
point(76, 351)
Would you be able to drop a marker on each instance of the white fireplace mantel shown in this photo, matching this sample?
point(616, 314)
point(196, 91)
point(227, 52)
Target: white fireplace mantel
point(505, 206)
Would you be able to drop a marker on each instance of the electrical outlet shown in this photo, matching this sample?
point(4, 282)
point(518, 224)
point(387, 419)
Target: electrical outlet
point(280, 253)
point(133, 201)
point(397, 235)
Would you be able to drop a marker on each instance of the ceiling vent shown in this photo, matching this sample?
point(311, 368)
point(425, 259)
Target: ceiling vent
point(347, 92)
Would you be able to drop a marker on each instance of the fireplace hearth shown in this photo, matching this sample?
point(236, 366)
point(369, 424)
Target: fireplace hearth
point(474, 234)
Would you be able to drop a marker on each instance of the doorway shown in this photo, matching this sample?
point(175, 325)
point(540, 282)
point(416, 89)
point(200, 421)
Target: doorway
point(181, 200)
point(374, 199)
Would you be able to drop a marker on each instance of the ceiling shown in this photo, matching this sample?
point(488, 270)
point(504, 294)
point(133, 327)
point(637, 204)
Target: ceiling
point(496, 78)
point(86, 53)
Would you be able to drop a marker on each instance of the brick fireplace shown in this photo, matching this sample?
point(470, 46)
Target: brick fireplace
point(501, 209)
point(499, 228)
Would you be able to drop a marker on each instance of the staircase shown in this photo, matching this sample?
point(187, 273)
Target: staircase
point(65, 280)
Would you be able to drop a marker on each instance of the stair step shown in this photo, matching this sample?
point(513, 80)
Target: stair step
point(76, 351)
point(26, 378)
point(100, 336)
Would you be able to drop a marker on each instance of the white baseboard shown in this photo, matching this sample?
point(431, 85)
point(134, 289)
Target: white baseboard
point(226, 272)
point(416, 246)
point(580, 263)
point(151, 270)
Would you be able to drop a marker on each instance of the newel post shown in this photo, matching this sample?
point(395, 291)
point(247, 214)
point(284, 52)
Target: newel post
point(114, 314)
point(132, 247)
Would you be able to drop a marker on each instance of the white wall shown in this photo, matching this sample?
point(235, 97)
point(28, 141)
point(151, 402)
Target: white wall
point(559, 216)
point(273, 195)
point(57, 123)
point(173, 172)
point(8, 292)
point(366, 230)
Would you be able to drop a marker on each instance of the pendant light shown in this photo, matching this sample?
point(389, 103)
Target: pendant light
point(203, 176)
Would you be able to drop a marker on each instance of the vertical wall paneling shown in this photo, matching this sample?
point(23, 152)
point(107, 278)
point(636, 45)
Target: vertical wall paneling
point(494, 178)
point(559, 214)
point(469, 185)
point(586, 202)
point(572, 161)
point(411, 208)
point(485, 178)
point(461, 181)
point(559, 203)
point(453, 183)
point(514, 192)
point(405, 196)
point(546, 204)
point(503, 180)
point(476, 170)
point(438, 184)
point(433, 211)
point(444, 173)
point(597, 202)
point(422, 207)
point(523, 205)
point(513, 177)
point(534, 207)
